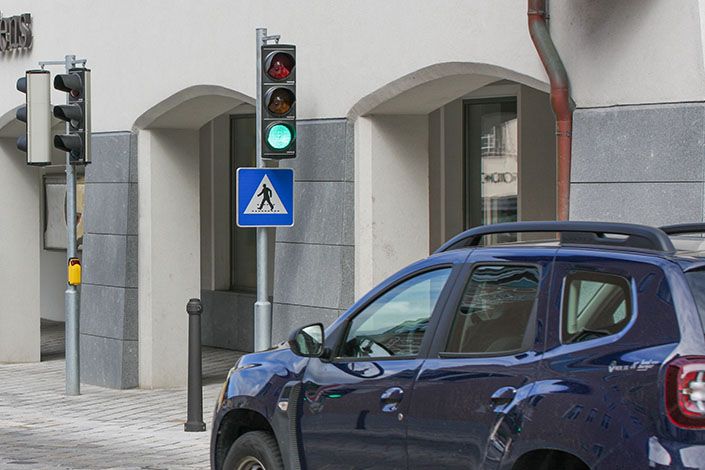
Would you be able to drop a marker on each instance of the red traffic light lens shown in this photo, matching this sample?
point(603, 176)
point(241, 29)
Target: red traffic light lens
point(280, 65)
point(280, 101)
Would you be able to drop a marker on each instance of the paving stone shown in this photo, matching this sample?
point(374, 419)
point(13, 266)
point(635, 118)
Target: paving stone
point(40, 427)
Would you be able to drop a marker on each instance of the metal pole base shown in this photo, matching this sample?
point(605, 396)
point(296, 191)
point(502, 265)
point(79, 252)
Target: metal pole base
point(73, 378)
point(263, 326)
point(194, 426)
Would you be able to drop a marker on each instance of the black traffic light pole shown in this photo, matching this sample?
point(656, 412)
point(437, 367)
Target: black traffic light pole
point(71, 299)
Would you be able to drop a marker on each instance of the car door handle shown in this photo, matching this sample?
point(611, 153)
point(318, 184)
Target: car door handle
point(503, 396)
point(391, 398)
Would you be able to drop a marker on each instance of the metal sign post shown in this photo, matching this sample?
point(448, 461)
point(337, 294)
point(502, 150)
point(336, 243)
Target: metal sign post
point(263, 308)
point(71, 298)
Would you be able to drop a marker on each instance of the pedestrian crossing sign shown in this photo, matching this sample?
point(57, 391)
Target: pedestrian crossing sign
point(264, 197)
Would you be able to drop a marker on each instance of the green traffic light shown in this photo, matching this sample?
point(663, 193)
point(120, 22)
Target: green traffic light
point(279, 136)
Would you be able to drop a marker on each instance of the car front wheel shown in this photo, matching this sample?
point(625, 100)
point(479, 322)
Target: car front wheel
point(256, 450)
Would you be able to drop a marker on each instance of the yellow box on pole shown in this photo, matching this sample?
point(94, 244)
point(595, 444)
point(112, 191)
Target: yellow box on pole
point(74, 272)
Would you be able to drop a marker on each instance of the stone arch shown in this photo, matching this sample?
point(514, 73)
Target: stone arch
point(393, 134)
point(191, 107)
point(426, 89)
point(171, 139)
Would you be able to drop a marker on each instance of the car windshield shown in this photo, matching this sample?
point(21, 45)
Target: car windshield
point(696, 279)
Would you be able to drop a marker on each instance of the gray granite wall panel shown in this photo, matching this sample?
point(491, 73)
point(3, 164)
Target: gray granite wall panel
point(642, 203)
point(108, 362)
point(642, 164)
point(227, 320)
point(111, 312)
point(288, 317)
point(314, 260)
point(319, 214)
point(661, 142)
point(311, 275)
point(105, 259)
point(109, 292)
point(112, 154)
point(320, 151)
point(117, 205)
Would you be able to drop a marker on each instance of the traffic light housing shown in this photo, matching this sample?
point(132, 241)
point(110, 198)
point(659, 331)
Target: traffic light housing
point(36, 114)
point(77, 112)
point(278, 101)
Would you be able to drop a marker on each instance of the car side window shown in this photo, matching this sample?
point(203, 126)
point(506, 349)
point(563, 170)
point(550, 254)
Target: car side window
point(594, 305)
point(494, 315)
point(394, 324)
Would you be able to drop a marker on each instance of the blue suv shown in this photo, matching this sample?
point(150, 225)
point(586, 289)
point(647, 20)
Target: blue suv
point(577, 345)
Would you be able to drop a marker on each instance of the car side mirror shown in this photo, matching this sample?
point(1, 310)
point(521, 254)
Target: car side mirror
point(307, 341)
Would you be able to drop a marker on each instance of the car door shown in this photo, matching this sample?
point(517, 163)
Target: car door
point(354, 404)
point(612, 324)
point(466, 404)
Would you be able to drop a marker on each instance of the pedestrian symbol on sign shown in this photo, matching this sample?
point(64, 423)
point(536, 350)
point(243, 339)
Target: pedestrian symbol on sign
point(265, 200)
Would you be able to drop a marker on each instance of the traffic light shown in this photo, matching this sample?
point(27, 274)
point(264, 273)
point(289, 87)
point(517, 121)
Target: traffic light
point(278, 101)
point(77, 112)
point(36, 113)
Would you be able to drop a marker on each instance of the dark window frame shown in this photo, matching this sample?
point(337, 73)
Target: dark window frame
point(604, 278)
point(233, 227)
point(469, 170)
point(428, 336)
point(530, 333)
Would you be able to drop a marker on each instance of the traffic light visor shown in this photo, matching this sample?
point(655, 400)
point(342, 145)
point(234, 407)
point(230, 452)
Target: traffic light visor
point(279, 65)
point(279, 136)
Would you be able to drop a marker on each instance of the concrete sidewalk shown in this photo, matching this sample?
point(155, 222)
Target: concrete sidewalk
point(42, 428)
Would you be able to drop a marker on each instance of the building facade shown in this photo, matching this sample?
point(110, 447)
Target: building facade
point(416, 120)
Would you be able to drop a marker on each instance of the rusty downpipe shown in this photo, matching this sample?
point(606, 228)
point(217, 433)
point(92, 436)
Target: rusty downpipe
point(560, 101)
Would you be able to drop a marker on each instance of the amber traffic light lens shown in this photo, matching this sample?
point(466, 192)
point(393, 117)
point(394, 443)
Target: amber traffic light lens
point(280, 101)
point(280, 66)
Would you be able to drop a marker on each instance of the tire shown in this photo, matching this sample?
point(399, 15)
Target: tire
point(256, 450)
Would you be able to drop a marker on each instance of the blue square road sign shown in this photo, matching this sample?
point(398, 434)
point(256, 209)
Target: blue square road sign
point(265, 197)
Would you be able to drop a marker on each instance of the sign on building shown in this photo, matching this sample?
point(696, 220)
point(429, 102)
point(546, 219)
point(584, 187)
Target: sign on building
point(265, 197)
point(15, 32)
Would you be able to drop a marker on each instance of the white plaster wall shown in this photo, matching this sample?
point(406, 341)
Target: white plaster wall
point(391, 196)
point(53, 283)
point(169, 252)
point(630, 51)
point(142, 52)
point(19, 237)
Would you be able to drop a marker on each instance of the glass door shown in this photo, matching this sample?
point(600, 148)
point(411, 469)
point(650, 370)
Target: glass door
point(491, 162)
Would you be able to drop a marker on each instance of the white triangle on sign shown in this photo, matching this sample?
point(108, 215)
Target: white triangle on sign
point(259, 205)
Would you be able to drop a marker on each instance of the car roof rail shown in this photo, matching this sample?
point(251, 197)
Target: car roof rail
point(572, 232)
point(682, 229)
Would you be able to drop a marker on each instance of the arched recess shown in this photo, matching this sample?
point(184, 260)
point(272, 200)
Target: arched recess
point(20, 242)
point(405, 134)
point(169, 224)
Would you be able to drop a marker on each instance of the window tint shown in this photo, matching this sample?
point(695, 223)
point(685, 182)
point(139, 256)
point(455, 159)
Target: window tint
point(594, 305)
point(395, 323)
point(494, 314)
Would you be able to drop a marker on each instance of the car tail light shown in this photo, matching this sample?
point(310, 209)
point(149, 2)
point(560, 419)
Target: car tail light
point(685, 392)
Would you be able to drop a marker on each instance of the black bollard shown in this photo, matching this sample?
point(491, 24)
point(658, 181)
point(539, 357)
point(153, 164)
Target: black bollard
point(194, 407)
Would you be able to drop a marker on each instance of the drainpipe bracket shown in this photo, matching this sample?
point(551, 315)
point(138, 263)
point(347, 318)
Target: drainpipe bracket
point(541, 13)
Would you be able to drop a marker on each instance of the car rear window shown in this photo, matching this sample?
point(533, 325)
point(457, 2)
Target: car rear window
point(696, 279)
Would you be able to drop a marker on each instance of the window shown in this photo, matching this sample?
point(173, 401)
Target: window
point(696, 280)
point(494, 315)
point(395, 323)
point(491, 162)
point(594, 305)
